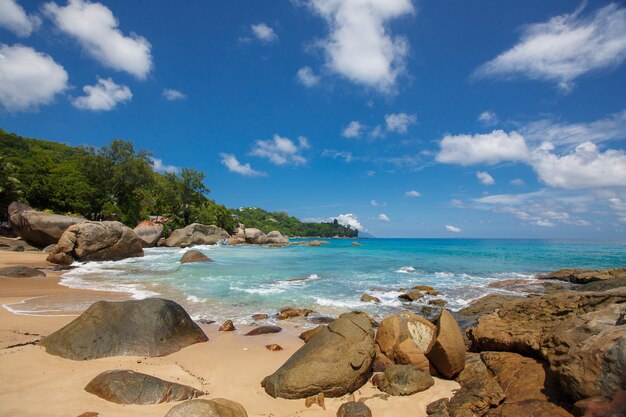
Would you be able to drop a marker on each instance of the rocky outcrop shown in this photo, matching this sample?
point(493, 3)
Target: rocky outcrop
point(447, 353)
point(16, 245)
point(149, 233)
point(275, 237)
point(584, 276)
point(405, 338)
point(194, 256)
point(255, 236)
point(150, 327)
point(123, 386)
point(21, 272)
point(217, 407)
point(38, 228)
point(257, 331)
point(403, 380)
point(335, 362)
point(354, 409)
point(196, 234)
point(469, 315)
point(95, 241)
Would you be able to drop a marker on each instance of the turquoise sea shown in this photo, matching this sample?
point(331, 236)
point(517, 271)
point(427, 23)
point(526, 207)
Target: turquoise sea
point(330, 279)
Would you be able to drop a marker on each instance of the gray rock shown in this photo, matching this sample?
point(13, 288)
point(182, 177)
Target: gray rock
point(149, 233)
point(194, 256)
point(150, 327)
point(196, 234)
point(96, 241)
point(354, 409)
point(217, 407)
point(123, 386)
point(38, 228)
point(263, 330)
point(16, 245)
point(21, 272)
point(584, 276)
point(403, 380)
point(255, 236)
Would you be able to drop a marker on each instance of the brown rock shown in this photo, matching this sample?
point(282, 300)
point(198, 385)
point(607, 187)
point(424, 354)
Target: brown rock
point(366, 298)
point(149, 233)
point(228, 326)
point(235, 241)
point(196, 234)
point(38, 228)
point(438, 302)
point(405, 338)
point(403, 380)
point(447, 353)
point(260, 316)
point(287, 313)
point(276, 238)
point(411, 296)
point(315, 399)
point(531, 408)
point(584, 276)
point(129, 387)
point(381, 362)
point(217, 407)
point(438, 408)
point(194, 256)
point(263, 330)
point(483, 306)
point(21, 272)
point(308, 335)
point(89, 414)
point(354, 409)
point(601, 406)
point(16, 245)
point(356, 244)
point(273, 347)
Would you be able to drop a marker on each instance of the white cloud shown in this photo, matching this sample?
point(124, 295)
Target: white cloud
point(485, 178)
point(14, 18)
point(334, 154)
point(359, 45)
point(349, 219)
point(619, 207)
point(173, 95)
point(95, 27)
point(374, 203)
point(585, 167)
point(353, 130)
point(383, 217)
point(490, 148)
point(307, 77)
point(489, 118)
point(105, 95)
point(281, 150)
point(377, 132)
point(413, 193)
point(230, 161)
point(518, 182)
point(565, 47)
point(263, 32)
point(399, 122)
point(28, 78)
point(453, 229)
point(159, 166)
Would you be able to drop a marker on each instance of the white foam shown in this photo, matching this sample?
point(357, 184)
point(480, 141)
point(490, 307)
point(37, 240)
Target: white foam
point(136, 291)
point(37, 313)
point(194, 299)
point(406, 270)
point(327, 302)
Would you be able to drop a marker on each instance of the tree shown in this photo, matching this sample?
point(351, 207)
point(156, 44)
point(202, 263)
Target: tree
point(10, 186)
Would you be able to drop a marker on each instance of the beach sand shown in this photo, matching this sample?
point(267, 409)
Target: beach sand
point(229, 365)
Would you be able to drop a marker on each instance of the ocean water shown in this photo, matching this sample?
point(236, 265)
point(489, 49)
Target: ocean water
point(330, 279)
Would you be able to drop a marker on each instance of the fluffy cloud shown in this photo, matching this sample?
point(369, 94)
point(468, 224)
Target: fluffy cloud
point(359, 46)
point(383, 217)
point(565, 47)
point(281, 150)
point(173, 95)
point(95, 27)
point(453, 229)
point(230, 161)
point(159, 166)
point(28, 78)
point(485, 178)
point(263, 32)
point(489, 118)
point(490, 148)
point(349, 219)
point(353, 130)
point(585, 167)
point(399, 122)
point(103, 96)
point(412, 193)
point(14, 18)
point(307, 77)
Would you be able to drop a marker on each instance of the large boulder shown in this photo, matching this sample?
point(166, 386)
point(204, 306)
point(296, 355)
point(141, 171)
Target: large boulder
point(584, 276)
point(38, 228)
point(403, 380)
point(21, 272)
point(447, 353)
point(124, 386)
point(255, 236)
point(96, 241)
point(217, 407)
point(150, 327)
point(276, 237)
point(196, 234)
point(405, 338)
point(335, 362)
point(149, 233)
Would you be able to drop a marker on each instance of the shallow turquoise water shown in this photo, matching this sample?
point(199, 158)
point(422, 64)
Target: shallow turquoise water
point(249, 279)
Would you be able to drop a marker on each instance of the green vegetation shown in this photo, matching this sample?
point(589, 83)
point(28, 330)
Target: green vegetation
point(117, 182)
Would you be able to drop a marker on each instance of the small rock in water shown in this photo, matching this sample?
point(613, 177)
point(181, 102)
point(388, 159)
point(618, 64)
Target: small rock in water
point(411, 296)
point(403, 380)
point(356, 244)
point(366, 298)
point(273, 347)
point(288, 313)
point(438, 302)
point(260, 316)
point(194, 256)
point(228, 326)
point(315, 399)
point(354, 409)
point(263, 330)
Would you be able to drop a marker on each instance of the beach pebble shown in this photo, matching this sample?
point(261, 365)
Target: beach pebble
point(228, 326)
point(273, 347)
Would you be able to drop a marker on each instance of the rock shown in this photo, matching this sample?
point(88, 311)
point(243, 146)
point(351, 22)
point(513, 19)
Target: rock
point(381, 362)
point(263, 330)
point(38, 228)
point(336, 361)
point(260, 316)
point(149, 233)
point(584, 276)
point(287, 313)
point(403, 380)
point(48, 248)
point(275, 237)
point(161, 242)
point(438, 408)
point(315, 399)
point(366, 298)
point(533, 408)
point(235, 241)
point(205, 321)
point(194, 256)
point(150, 327)
point(468, 316)
point(411, 296)
point(228, 326)
point(96, 241)
point(356, 244)
point(425, 288)
point(196, 234)
point(217, 407)
point(273, 347)
point(447, 353)
point(89, 414)
point(354, 409)
point(438, 302)
point(314, 243)
point(308, 335)
point(601, 406)
point(21, 272)
point(127, 387)
point(255, 236)
point(404, 338)
point(605, 285)
point(16, 245)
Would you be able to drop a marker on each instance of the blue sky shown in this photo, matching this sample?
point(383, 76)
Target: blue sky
point(406, 118)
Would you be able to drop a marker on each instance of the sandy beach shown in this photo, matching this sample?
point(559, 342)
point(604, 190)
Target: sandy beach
point(229, 365)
